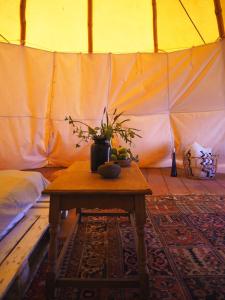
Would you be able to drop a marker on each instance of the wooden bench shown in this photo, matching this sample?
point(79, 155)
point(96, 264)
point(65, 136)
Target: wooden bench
point(25, 246)
point(22, 251)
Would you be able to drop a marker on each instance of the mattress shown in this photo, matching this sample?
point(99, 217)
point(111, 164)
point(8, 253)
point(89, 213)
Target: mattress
point(19, 190)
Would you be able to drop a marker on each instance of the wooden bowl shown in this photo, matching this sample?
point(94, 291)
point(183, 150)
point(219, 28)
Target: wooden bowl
point(109, 170)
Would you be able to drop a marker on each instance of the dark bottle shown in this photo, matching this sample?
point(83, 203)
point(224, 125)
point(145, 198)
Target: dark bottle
point(100, 151)
point(174, 165)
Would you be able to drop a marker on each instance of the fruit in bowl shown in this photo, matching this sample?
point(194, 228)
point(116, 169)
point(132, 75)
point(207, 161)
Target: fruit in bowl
point(121, 156)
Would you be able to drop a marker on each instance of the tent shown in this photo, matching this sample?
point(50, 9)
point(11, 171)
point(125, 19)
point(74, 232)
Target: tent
point(162, 62)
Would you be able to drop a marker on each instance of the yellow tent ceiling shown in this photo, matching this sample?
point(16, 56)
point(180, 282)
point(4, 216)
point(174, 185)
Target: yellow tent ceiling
point(118, 26)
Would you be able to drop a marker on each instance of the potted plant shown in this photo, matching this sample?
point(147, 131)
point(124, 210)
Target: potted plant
point(111, 126)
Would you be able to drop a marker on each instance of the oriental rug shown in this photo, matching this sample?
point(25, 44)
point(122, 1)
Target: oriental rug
point(185, 242)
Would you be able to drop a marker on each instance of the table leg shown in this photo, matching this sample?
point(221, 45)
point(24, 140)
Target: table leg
point(140, 217)
point(54, 216)
point(79, 212)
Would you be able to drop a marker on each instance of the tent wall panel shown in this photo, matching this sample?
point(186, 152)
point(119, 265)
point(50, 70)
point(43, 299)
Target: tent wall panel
point(196, 79)
point(154, 148)
point(139, 83)
point(185, 89)
point(25, 76)
point(22, 143)
point(82, 81)
point(80, 86)
point(62, 151)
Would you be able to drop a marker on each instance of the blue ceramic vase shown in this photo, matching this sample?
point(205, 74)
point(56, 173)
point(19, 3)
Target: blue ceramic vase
point(100, 151)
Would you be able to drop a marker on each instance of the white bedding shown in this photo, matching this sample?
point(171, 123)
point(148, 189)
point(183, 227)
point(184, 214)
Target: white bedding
point(19, 190)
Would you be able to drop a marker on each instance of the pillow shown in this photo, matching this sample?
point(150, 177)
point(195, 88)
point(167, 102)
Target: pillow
point(19, 191)
point(201, 161)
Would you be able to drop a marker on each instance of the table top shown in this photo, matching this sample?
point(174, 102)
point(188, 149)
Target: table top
point(78, 178)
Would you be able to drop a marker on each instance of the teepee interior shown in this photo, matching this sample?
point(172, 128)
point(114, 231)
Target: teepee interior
point(160, 65)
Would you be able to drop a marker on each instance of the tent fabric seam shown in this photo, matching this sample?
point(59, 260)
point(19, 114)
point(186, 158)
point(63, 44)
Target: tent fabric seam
point(125, 114)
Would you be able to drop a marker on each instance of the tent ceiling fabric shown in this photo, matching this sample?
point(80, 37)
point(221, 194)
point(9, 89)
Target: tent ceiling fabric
point(119, 26)
point(57, 25)
point(10, 21)
point(175, 30)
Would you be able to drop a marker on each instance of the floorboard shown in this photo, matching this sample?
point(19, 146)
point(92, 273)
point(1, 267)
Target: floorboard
point(213, 187)
point(161, 183)
point(175, 185)
point(220, 178)
point(194, 186)
point(156, 181)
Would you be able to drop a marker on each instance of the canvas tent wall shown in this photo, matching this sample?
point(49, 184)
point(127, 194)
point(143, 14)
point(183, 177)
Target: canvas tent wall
point(176, 97)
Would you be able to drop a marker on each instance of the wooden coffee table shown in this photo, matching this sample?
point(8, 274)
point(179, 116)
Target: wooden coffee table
point(78, 188)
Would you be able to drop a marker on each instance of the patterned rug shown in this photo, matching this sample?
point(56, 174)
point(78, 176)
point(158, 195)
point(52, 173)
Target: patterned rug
point(185, 242)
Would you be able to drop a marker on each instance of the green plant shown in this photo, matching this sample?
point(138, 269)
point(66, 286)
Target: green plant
point(111, 126)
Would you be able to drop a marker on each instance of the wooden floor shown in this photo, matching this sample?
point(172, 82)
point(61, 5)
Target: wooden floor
point(162, 183)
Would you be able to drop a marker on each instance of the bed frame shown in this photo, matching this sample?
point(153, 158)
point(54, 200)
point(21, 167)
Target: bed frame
point(22, 251)
point(24, 247)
